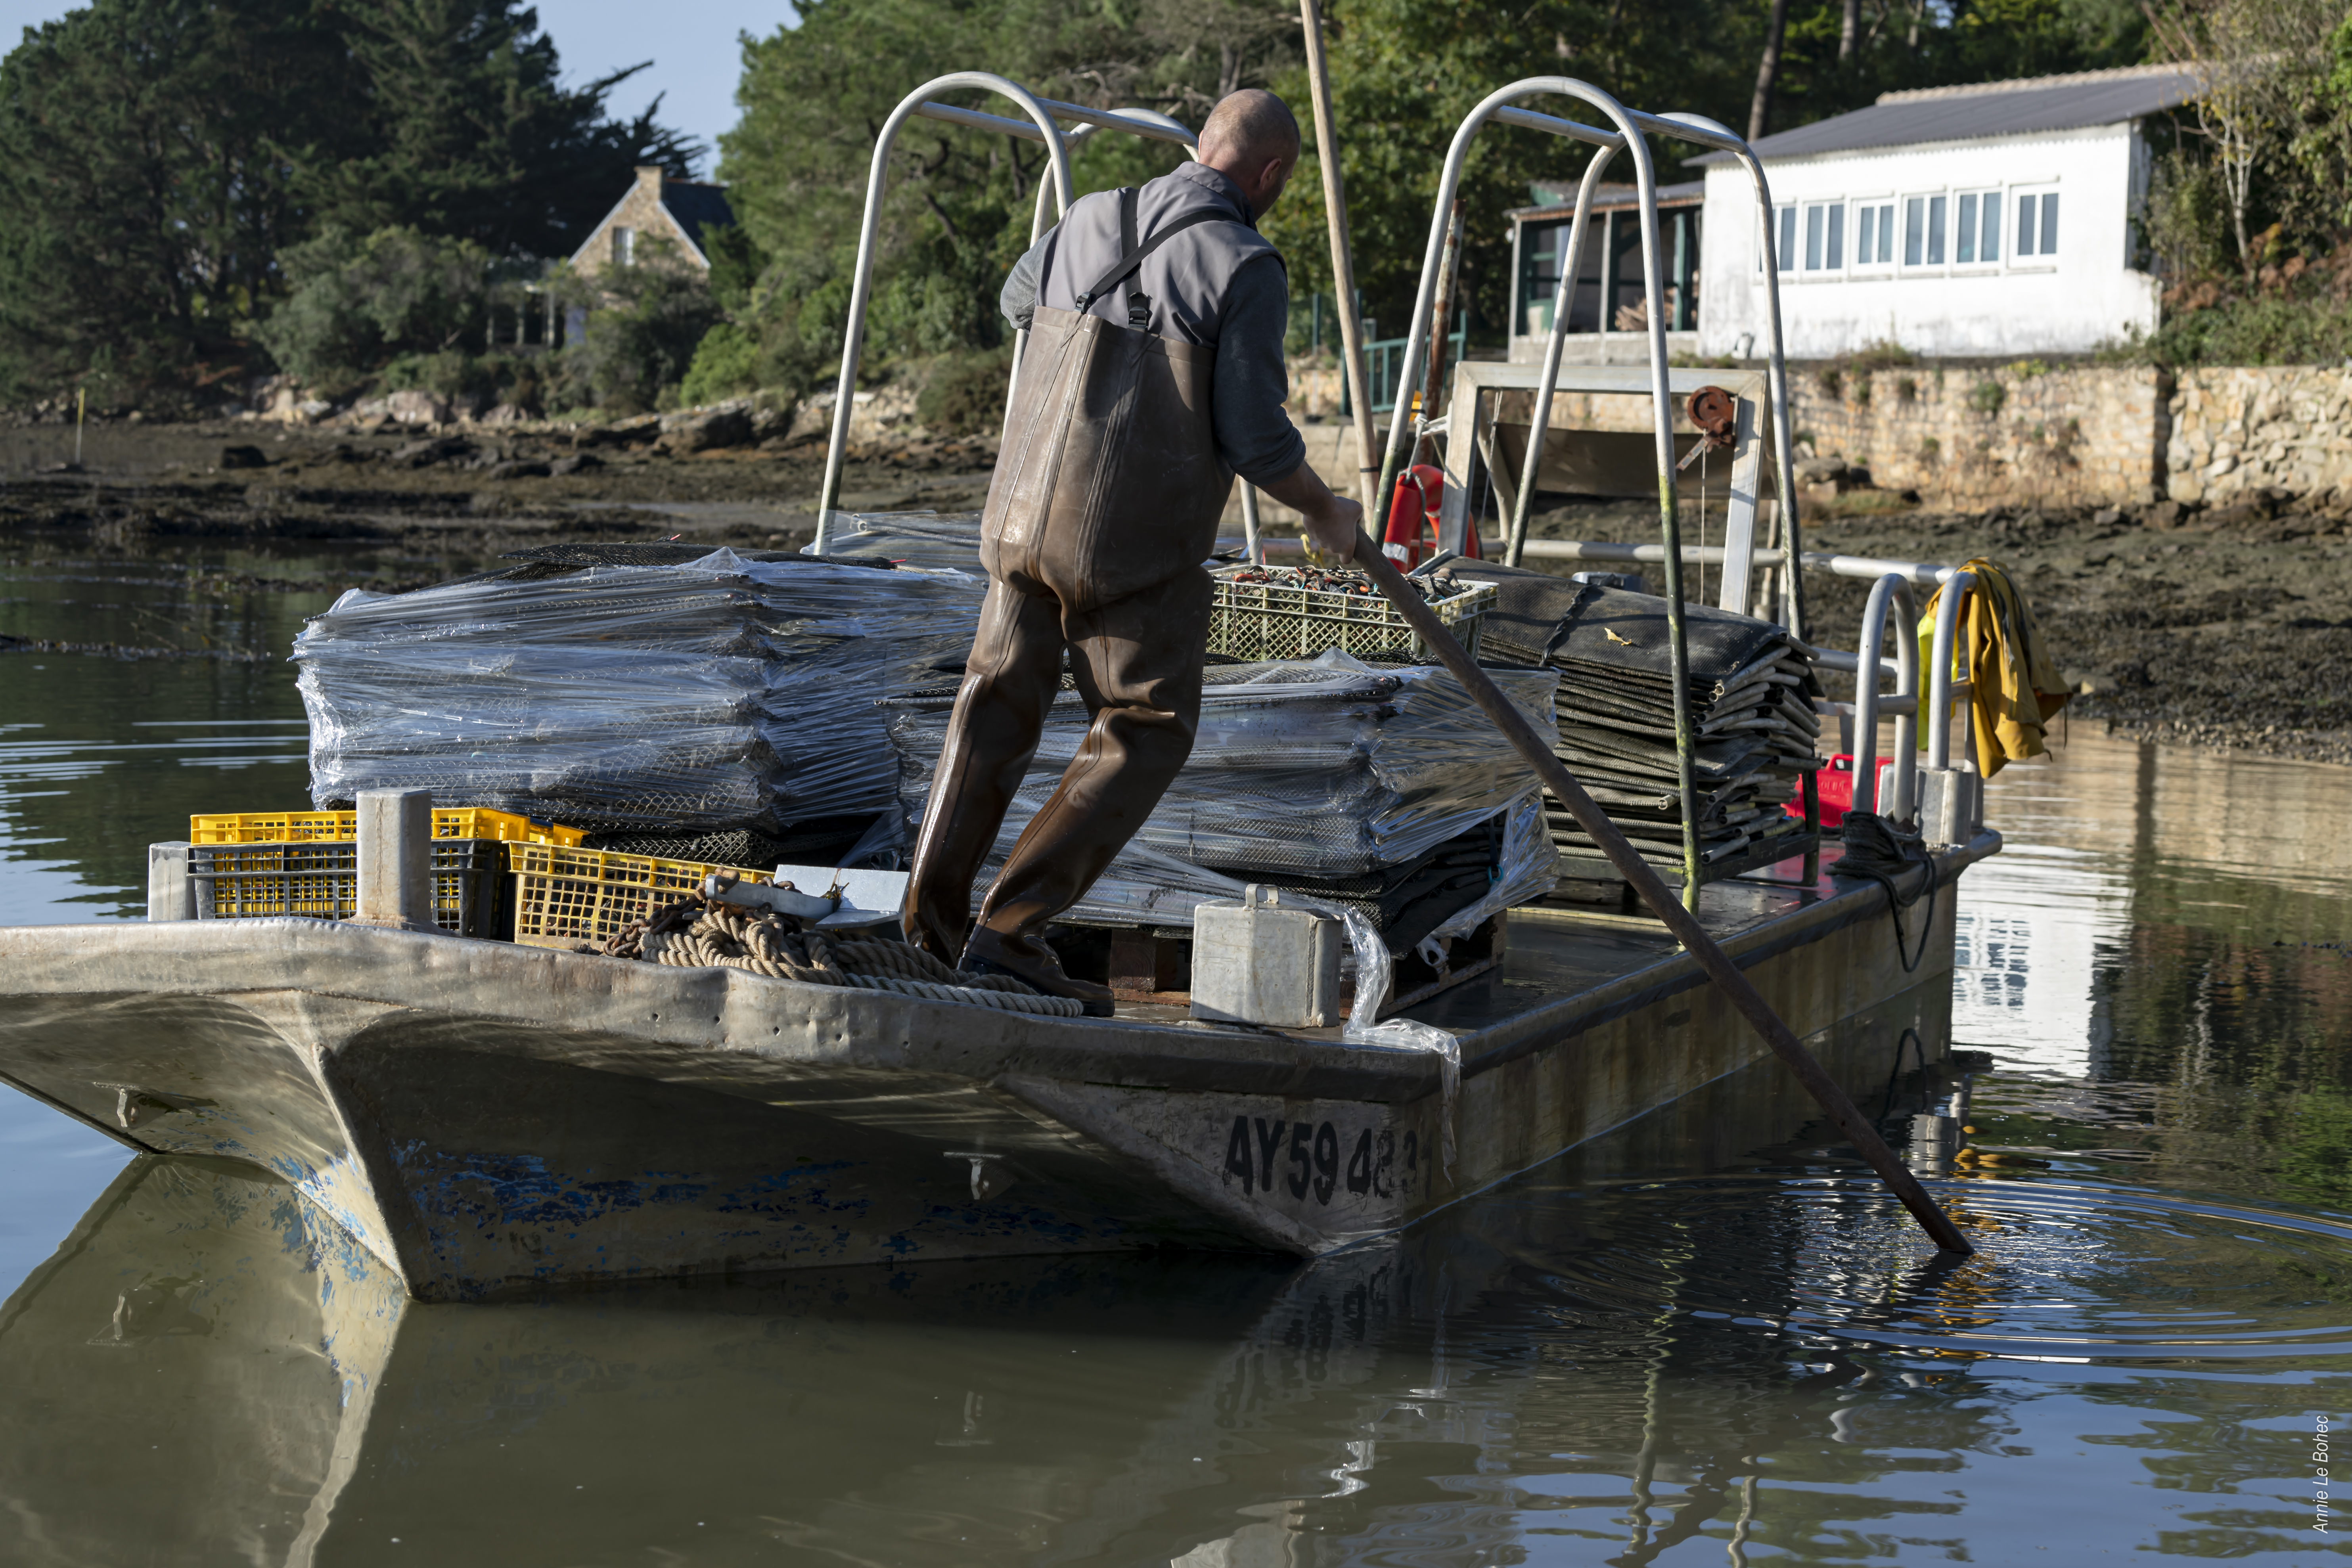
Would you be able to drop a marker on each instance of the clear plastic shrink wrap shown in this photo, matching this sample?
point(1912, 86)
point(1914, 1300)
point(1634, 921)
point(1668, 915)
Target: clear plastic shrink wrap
point(1301, 773)
point(719, 693)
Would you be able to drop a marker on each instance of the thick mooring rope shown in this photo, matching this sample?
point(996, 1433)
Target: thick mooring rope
point(694, 933)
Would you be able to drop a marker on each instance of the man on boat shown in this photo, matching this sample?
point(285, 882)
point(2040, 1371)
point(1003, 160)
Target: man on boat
point(1153, 376)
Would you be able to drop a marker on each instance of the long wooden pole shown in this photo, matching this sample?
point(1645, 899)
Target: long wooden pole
point(1727, 975)
point(1343, 264)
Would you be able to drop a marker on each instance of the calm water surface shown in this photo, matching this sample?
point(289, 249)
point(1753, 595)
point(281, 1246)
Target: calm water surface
point(1701, 1340)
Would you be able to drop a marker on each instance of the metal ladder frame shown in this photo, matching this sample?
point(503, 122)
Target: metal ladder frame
point(1039, 127)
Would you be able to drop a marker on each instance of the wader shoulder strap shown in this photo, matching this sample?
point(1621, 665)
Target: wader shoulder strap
point(1139, 303)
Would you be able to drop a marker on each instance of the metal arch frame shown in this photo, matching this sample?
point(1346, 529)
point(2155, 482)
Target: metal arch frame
point(1708, 132)
point(1631, 127)
point(852, 336)
point(1556, 341)
point(1892, 590)
point(1715, 133)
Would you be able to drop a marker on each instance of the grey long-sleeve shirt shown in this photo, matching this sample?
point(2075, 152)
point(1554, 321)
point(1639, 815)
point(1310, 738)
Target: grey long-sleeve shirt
point(1201, 293)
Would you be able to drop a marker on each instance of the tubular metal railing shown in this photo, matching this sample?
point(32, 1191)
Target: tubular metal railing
point(1631, 128)
point(1040, 127)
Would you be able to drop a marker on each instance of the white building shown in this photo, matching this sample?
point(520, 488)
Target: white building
point(1984, 220)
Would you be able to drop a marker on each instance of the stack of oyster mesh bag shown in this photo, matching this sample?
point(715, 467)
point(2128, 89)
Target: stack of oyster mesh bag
point(1377, 788)
point(1752, 691)
point(680, 692)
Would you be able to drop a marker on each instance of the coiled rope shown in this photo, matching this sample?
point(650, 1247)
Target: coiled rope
point(694, 933)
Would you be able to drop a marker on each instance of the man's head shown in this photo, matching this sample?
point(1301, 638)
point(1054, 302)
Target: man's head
point(1253, 141)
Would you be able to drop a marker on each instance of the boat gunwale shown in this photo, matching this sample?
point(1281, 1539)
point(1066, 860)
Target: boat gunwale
point(872, 1031)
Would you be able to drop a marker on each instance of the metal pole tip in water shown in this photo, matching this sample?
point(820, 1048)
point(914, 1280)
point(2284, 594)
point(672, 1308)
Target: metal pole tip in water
point(1727, 975)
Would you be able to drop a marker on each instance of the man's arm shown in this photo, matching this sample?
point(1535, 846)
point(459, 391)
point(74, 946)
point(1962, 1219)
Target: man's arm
point(1333, 522)
point(1254, 430)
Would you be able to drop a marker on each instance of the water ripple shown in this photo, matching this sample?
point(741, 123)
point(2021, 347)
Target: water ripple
point(2064, 1271)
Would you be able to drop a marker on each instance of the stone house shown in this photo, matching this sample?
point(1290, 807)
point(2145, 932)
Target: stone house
point(655, 208)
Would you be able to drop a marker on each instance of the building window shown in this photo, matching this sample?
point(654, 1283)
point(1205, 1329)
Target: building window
point(624, 246)
point(1923, 225)
point(1788, 239)
point(2037, 224)
point(1825, 237)
point(1874, 234)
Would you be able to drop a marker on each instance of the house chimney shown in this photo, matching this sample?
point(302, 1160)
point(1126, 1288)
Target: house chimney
point(650, 177)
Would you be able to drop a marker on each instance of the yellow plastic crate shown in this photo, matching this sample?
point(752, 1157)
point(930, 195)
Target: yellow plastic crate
point(1253, 621)
point(565, 896)
point(321, 878)
point(301, 827)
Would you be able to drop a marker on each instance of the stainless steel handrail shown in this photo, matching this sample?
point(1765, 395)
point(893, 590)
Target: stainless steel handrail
point(1630, 127)
point(1539, 414)
point(853, 334)
point(1888, 590)
point(1942, 689)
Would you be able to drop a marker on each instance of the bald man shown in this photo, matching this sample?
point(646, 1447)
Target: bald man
point(1154, 375)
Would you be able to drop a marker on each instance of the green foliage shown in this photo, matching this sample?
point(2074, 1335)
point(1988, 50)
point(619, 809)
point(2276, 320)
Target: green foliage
point(145, 153)
point(726, 364)
point(159, 159)
point(964, 395)
point(354, 305)
point(1987, 396)
point(471, 131)
point(2276, 329)
point(641, 339)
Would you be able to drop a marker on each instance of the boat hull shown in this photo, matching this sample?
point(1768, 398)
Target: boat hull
point(489, 1119)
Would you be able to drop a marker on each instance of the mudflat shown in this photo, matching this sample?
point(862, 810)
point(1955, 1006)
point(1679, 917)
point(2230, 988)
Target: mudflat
point(2227, 626)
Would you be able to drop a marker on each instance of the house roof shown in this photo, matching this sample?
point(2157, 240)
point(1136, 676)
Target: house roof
point(695, 205)
point(1987, 108)
point(1559, 200)
point(692, 204)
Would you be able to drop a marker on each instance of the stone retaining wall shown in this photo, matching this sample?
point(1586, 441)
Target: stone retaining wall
point(2239, 431)
point(2023, 434)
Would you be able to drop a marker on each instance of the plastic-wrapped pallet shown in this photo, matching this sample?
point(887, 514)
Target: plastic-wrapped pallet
point(713, 694)
point(1752, 688)
point(932, 539)
point(1322, 774)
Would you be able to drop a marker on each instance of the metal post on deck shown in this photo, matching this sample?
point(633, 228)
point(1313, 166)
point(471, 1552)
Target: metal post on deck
point(395, 859)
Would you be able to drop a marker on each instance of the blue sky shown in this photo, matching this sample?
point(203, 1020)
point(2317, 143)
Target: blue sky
point(691, 43)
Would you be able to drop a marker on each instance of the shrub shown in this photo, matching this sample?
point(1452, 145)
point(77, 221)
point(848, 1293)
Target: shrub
point(1884, 354)
point(1907, 389)
point(726, 364)
point(965, 394)
point(1987, 396)
point(356, 304)
point(644, 324)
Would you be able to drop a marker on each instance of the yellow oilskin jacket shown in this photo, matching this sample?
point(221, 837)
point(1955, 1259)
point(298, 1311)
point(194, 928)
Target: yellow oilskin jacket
point(2014, 688)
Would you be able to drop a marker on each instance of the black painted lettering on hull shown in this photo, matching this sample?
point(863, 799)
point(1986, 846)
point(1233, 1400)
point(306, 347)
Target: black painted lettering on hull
point(1304, 1157)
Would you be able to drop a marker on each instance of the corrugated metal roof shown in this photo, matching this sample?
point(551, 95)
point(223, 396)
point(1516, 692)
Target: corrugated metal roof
point(1560, 200)
point(1989, 109)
